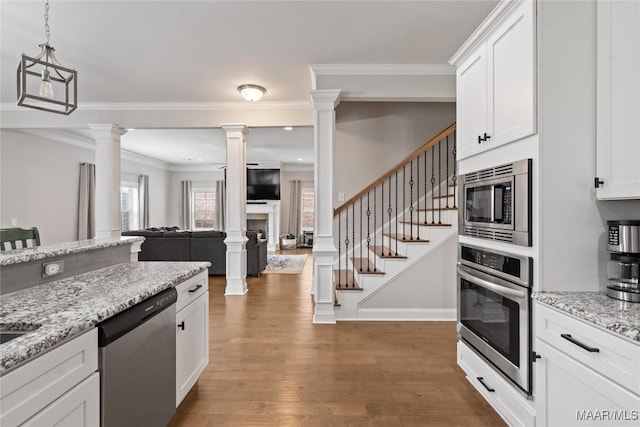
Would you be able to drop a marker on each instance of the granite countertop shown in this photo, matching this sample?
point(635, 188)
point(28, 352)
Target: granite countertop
point(621, 318)
point(18, 256)
point(66, 308)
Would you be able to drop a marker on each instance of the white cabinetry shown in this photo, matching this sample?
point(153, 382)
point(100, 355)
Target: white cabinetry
point(618, 93)
point(495, 81)
point(192, 339)
point(584, 376)
point(512, 405)
point(60, 387)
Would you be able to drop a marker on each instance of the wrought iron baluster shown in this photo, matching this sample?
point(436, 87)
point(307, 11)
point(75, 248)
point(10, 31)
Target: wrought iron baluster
point(418, 197)
point(382, 216)
point(368, 231)
point(411, 182)
point(433, 187)
point(426, 198)
point(397, 214)
point(360, 237)
point(439, 184)
point(447, 175)
point(353, 247)
point(346, 249)
point(390, 211)
point(339, 246)
point(404, 184)
point(375, 230)
point(455, 176)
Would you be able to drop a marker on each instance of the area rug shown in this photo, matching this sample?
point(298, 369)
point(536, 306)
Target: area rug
point(285, 264)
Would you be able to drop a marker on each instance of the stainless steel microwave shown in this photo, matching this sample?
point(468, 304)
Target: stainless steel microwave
point(496, 203)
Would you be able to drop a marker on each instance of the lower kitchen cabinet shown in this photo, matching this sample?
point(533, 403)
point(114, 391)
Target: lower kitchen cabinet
point(511, 404)
point(60, 387)
point(584, 376)
point(192, 339)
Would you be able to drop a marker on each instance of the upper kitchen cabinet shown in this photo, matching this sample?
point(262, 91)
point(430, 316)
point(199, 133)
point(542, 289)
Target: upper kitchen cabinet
point(618, 95)
point(495, 80)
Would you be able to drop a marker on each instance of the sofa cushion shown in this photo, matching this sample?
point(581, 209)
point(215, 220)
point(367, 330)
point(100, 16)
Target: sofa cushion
point(208, 234)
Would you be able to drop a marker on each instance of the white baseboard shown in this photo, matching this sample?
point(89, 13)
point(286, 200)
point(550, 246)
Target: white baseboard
point(404, 314)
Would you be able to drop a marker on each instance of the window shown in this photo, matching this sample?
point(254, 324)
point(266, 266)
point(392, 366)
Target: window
point(307, 209)
point(204, 208)
point(129, 208)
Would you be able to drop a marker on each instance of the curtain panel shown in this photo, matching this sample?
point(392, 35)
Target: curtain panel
point(143, 200)
point(87, 202)
point(221, 205)
point(295, 208)
point(185, 211)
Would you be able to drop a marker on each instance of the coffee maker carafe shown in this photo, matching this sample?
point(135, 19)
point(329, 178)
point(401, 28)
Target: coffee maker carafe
point(623, 269)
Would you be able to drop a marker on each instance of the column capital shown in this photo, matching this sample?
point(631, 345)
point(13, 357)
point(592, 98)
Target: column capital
point(235, 129)
point(108, 130)
point(325, 99)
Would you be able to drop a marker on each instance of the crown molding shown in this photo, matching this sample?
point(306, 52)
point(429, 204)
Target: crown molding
point(144, 160)
point(63, 136)
point(179, 106)
point(381, 69)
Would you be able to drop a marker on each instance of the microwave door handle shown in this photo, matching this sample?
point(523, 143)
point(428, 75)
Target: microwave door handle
point(500, 290)
point(497, 199)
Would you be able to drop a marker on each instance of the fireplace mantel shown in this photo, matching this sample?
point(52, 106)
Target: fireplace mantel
point(272, 209)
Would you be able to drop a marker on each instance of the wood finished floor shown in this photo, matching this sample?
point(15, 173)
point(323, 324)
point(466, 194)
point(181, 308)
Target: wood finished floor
point(270, 366)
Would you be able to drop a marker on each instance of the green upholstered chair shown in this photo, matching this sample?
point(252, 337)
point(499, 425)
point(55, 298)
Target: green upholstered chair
point(10, 236)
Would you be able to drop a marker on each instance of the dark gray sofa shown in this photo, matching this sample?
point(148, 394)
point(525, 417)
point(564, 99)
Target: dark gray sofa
point(171, 244)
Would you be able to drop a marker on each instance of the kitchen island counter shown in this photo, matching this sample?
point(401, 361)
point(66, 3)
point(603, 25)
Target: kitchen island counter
point(59, 310)
point(619, 317)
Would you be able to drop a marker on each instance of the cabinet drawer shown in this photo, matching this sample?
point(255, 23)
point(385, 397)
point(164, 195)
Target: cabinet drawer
point(30, 388)
point(615, 358)
point(511, 404)
point(191, 289)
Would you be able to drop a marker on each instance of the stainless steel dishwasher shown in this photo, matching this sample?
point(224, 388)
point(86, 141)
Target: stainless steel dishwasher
point(137, 362)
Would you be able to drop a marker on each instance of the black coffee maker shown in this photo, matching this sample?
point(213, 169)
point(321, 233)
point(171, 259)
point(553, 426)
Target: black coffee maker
point(623, 269)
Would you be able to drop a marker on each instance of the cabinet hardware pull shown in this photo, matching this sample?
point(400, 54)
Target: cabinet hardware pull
point(480, 139)
point(579, 344)
point(535, 356)
point(194, 289)
point(486, 136)
point(181, 325)
point(597, 182)
point(489, 389)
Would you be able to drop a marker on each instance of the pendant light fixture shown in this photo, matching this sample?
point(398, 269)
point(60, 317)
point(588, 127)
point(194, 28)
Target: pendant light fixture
point(43, 83)
point(251, 93)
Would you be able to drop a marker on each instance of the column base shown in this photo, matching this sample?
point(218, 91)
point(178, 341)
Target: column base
point(324, 314)
point(236, 287)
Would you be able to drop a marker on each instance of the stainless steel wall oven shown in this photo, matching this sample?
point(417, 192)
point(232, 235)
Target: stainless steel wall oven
point(494, 309)
point(497, 203)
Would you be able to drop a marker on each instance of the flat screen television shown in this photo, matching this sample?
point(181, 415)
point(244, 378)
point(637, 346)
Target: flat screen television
point(263, 184)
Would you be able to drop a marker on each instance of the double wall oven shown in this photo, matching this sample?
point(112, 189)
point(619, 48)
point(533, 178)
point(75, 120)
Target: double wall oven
point(494, 286)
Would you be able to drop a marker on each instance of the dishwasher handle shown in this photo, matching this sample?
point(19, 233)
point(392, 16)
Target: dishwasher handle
point(123, 322)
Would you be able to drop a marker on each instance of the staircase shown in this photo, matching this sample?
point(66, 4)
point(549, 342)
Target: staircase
point(397, 240)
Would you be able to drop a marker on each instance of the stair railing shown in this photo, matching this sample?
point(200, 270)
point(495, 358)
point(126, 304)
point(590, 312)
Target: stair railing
point(389, 209)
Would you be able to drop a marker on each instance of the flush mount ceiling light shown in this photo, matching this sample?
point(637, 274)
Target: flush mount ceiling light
point(251, 93)
point(54, 87)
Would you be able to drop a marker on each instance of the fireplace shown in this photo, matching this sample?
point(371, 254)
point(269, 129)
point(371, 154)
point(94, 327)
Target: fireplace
point(265, 216)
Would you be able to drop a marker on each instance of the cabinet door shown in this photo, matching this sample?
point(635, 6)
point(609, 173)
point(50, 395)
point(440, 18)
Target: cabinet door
point(511, 83)
point(471, 100)
point(570, 394)
point(618, 94)
point(79, 407)
point(192, 344)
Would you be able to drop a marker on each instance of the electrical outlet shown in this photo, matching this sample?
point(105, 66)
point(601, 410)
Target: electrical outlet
point(14, 221)
point(341, 197)
point(52, 268)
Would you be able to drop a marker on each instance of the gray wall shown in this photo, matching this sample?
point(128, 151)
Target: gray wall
point(372, 137)
point(40, 179)
point(285, 193)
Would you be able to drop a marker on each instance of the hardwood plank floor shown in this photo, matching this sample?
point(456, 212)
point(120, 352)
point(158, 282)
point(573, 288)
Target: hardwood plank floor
point(270, 366)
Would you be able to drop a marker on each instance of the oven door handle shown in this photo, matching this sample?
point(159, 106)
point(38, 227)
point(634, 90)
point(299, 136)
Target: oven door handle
point(500, 290)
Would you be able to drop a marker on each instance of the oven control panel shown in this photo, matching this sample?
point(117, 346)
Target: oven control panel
point(510, 266)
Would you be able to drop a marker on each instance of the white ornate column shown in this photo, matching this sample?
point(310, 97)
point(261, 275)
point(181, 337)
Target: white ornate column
point(236, 218)
point(324, 250)
point(107, 179)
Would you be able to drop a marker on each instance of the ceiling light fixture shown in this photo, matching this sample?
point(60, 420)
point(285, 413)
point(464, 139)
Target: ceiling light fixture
point(46, 68)
point(288, 128)
point(251, 93)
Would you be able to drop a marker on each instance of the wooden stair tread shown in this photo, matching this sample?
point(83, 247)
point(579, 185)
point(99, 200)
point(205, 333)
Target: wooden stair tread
point(365, 266)
point(406, 238)
point(437, 209)
point(383, 252)
point(344, 281)
point(428, 224)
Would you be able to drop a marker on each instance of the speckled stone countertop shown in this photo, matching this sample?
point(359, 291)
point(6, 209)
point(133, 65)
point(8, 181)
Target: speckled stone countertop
point(68, 307)
point(619, 317)
point(49, 251)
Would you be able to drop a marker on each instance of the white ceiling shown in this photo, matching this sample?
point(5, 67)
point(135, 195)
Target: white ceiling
point(201, 51)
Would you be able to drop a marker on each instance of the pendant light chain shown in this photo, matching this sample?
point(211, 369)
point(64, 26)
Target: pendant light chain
point(46, 20)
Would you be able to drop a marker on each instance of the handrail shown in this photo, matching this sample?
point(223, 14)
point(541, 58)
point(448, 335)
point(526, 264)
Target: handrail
point(433, 141)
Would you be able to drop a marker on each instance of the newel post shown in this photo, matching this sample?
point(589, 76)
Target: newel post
point(324, 249)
